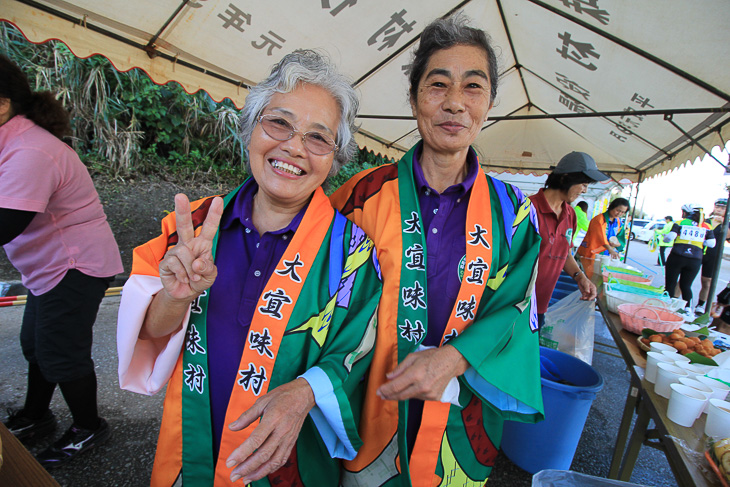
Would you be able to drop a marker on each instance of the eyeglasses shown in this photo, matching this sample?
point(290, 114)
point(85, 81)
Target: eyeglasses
point(281, 129)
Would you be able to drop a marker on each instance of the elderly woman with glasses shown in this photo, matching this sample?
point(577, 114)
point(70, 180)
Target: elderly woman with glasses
point(258, 309)
point(457, 349)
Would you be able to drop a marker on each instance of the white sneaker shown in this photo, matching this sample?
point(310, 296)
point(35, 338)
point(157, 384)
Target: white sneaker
point(700, 310)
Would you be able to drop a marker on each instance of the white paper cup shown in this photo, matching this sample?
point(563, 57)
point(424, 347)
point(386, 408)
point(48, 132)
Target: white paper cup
point(704, 368)
point(722, 359)
point(652, 358)
point(667, 374)
point(692, 369)
point(722, 374)
point(676, 357)
point(720, 390)
point(695, 384)
point(661, 347)
point(718, 419)
point(685, 404)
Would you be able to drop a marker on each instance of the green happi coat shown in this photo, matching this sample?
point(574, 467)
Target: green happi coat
point(316, 318)
point(492, 325)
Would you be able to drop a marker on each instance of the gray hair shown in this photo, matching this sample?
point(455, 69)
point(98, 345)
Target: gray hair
point(443, 34)
point(310, 67)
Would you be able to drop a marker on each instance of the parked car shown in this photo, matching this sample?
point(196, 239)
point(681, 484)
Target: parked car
point(639, 223)
point(646, 232)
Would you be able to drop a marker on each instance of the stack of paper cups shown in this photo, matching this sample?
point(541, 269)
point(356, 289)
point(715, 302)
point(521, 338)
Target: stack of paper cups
point(652, 359)
point(695, 384)
point(676, 357)
point(667, 374)
point(720, 390)
point(685, 404)
point(720, 374)
point(718, 419)
point(691, 369)
point(661, 347)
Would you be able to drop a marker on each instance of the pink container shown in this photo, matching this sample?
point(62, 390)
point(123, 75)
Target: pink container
point(636, 317)
point(627, 277)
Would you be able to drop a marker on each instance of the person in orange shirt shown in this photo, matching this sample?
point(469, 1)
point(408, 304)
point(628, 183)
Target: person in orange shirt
point(606, 233)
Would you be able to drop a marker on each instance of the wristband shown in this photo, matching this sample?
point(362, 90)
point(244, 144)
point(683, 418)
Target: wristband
point(576, 274)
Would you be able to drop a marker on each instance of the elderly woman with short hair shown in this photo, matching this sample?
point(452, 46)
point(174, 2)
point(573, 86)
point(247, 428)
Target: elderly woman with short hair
point(457, 349)
point(258, 309)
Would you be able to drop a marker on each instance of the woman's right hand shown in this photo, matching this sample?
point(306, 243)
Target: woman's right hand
point(188, 268)
point(613, 253)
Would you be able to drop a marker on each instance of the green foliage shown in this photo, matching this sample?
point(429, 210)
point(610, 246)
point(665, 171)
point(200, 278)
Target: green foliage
point(124, 122)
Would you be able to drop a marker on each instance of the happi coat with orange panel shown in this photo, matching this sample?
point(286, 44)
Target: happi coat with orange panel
point(318, 317)
point(492, 324)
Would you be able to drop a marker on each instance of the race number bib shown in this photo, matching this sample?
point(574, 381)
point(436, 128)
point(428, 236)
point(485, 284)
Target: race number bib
point(694, 235)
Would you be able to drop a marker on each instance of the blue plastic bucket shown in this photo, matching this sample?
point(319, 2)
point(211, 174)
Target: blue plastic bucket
point(551, 444)
point(565, 286)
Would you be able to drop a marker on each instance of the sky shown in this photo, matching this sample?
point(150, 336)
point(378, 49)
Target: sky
point(701, 182)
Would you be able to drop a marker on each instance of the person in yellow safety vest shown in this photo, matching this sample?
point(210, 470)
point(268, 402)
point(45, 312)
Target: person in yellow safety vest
point(691, 236)
point(581, 222)
point(661, 259)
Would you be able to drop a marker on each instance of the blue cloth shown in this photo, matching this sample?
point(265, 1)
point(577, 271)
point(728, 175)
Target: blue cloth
point(245, 262)
point(611, 231)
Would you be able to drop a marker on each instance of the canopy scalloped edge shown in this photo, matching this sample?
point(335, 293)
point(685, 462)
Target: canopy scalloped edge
point(39, 27)
point(369, 143)
point(693, 151)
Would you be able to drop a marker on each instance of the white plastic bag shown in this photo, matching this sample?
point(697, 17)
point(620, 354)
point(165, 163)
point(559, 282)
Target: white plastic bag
point(568, 478)
point(569, 327)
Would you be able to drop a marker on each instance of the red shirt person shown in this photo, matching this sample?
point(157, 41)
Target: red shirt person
point(557, 221)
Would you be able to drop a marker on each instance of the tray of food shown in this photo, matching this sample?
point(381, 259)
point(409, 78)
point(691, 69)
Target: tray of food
point(678, 339)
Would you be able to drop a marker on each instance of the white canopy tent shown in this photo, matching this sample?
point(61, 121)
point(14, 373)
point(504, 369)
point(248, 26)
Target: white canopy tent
point(529, 184)
point(641, 86)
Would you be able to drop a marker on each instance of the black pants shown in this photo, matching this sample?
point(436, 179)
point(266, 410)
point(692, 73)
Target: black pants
point(708, 262)
point(56, 338)
point(684, 269)
point(57, 326)
point(662, 259)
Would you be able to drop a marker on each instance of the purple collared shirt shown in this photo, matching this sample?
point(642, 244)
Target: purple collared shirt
point(444, 221)
point(245, 262)
point(443, 218)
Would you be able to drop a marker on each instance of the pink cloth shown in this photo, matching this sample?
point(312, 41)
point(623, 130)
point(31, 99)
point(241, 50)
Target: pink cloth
point(145, 366)
point(40, 173)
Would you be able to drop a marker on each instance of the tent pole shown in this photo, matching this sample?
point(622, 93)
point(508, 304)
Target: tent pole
point(633, 214)
point(718, 261)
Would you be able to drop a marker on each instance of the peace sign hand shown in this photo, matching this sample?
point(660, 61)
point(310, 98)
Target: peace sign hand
point(188, 268)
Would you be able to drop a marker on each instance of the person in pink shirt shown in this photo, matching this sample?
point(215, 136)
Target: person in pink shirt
point(54, 231)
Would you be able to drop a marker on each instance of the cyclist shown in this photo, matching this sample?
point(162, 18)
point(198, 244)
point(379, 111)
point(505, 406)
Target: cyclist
point(691, 236)
point(711, 255)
